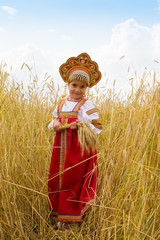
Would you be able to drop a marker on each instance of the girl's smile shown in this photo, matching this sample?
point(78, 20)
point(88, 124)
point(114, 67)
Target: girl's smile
point(76, 89)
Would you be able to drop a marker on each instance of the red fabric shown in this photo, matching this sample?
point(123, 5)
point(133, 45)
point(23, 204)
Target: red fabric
point(72, 191)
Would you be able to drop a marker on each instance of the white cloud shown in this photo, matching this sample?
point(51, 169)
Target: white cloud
point(65, 38)
point(11, 11)
point(1, 29)
point(39, 60)
point(140, 46)
point(51, 30)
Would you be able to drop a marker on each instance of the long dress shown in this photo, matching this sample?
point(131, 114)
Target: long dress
point(72, 180)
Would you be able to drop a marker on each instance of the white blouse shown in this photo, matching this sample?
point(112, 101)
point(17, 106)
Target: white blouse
point(83, 113)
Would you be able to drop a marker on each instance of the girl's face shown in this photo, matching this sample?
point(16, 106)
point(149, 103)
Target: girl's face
point(76, 89)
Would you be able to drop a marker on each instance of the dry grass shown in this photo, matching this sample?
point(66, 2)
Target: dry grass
point(128, 199)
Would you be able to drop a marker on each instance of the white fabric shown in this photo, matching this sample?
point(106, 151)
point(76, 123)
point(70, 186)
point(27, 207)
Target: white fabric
point(50, 125)
point(68, 106)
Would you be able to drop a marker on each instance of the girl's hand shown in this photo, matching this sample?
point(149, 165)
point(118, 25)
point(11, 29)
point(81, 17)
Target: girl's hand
point(73, 125)
point(57, 126)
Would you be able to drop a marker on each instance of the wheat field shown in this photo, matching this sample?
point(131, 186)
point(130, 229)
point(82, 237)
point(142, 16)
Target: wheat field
point(128, 197)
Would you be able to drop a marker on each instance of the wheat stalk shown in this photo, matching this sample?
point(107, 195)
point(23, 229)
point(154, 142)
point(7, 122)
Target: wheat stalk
point(86, 136)
point(128, 197)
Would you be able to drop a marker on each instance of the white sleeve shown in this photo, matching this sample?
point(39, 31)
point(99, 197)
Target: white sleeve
point(88, 113)
point(50, 125)
point(55, 116)
point(54, 113)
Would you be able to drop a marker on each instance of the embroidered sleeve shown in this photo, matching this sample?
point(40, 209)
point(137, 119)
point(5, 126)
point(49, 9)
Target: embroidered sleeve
point(89, 114)
point(97, 123)
point(93, 110)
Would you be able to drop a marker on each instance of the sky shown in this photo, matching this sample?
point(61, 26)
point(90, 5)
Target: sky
point(122, 36)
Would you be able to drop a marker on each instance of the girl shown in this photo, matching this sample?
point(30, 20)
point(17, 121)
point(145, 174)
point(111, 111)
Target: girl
point(73, 176)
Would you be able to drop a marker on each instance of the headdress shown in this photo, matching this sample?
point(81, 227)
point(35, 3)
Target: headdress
point(80, 68)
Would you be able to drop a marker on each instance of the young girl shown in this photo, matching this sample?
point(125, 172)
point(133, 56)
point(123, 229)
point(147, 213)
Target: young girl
point(73, 176)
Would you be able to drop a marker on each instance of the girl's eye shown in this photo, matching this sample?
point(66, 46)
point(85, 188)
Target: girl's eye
point(74, 85)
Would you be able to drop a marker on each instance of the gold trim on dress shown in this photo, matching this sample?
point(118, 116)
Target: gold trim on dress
point(67, 115)
point(97, 123)
point(76, 218)
point(63, 150)
point(93, 110)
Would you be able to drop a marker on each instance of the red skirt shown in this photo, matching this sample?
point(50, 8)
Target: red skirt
point(72, 177)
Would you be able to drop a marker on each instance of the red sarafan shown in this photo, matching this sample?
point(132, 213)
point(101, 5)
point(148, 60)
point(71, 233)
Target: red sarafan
point(73, 173)
point(72, 177)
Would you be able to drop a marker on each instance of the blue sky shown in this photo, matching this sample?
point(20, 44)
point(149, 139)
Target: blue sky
point(49, 31)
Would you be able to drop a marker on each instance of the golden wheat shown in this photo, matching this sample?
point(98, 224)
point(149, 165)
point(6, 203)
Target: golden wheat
point(86, 136)
point(128, 200)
